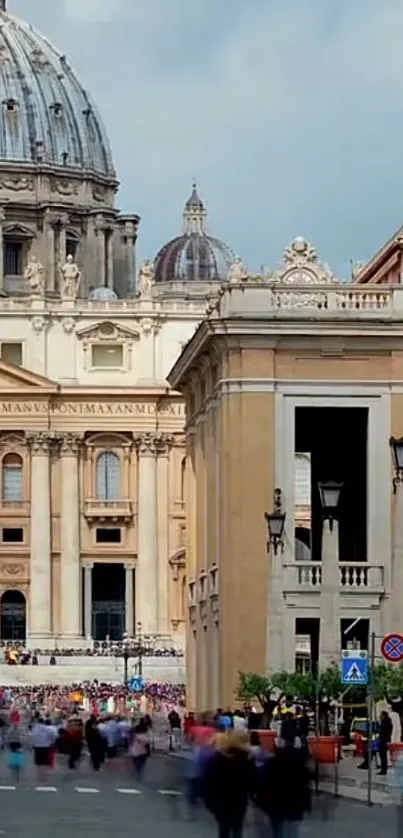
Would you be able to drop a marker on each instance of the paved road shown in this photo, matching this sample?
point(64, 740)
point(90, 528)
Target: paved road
point(83, 804)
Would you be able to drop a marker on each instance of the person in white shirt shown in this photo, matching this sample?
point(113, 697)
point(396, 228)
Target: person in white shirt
point(43, 738)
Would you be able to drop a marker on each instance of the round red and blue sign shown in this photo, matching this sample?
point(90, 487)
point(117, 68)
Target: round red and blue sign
point(392, 647)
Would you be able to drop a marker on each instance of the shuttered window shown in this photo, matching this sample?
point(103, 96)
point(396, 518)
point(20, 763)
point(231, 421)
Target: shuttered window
point(12, 479)
point(108, 476)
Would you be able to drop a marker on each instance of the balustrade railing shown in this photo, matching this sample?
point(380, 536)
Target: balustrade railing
point(357, 576)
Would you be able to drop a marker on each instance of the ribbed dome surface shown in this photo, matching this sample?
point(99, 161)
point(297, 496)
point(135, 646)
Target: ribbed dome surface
point(45, 114)
point(194, 256)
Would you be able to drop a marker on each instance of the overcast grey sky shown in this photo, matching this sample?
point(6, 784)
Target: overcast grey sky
point(288, 112)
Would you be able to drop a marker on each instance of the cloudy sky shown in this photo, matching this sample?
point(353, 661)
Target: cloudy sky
point(288, 112)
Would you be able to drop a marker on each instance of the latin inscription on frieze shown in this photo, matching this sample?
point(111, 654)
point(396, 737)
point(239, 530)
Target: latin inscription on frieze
point(91, 409)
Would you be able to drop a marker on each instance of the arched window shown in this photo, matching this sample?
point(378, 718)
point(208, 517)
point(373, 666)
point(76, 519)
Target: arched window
point(12, 479)
point(108, 476)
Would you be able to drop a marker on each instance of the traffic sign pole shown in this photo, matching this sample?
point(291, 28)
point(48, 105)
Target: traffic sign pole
point(370, 711)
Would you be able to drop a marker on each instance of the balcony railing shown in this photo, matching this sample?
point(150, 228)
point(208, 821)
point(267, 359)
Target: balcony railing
point(354, 577)
point(108, 510)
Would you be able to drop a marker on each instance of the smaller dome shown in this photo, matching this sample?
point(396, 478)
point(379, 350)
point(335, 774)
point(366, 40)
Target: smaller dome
point(102, 294)
point(193, 256)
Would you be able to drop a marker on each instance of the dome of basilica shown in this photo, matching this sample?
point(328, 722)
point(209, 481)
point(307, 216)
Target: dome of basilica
point(193, 256)
point(46, 116)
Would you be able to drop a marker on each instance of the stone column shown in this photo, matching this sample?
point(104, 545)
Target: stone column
point(329, 632)
point(70, 565)
point(275, 617)
point(396, 615)
point(88, 568)
point(109, 258)
point(40, 596)
point(64, 220)
point(129, 616)
point(2, 219)
point(147, 563)
point(163, 533)
point(100, 239)
point(49, 236)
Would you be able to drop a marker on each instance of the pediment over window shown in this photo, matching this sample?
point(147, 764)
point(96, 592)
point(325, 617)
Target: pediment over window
point(19, 231)
point(13, 377)
point(108, 331)
point(108, 441)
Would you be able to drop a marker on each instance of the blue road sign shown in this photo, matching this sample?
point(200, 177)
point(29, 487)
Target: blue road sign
point(136, 685)
point(354, 667)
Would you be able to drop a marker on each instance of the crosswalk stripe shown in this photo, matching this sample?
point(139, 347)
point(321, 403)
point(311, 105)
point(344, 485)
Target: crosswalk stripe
point(8, 788)
point(170, 792)
point(45, 788)
point(129, 791)
point(86, 790)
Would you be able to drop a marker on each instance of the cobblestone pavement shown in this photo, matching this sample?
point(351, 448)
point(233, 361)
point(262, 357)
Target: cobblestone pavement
point(83, 804)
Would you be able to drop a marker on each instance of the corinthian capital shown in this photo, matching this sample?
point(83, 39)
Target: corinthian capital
point(153, 444)
point(40, 443)
point(70, 444)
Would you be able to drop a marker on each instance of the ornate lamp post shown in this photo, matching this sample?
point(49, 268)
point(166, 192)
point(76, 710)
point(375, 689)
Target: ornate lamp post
point(126, 655)
point(329, 497)
point(275, 524)
point(396, 447)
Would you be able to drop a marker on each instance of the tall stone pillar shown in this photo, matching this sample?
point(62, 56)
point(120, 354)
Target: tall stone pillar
point(129, 616)
point(329, 633)
point(2, 219)
point(50, 252)
point(147, 563)
point(88, 568)
point(275, 617)
point(40, 594)
point(64, 220)
point(396, 616)
point(164, 449)
point(109, 258)
point(70, 566)
point(101, 250)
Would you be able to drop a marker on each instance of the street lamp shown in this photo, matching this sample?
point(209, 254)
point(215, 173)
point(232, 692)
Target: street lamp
point(329, 497)
point(396, 447)
point(275, 523)
point(126, 655)
point(139, 648)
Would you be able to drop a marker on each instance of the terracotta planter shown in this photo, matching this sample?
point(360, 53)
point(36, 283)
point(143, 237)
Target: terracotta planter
point(324, 749)
point(267, 739)
point(396, 750)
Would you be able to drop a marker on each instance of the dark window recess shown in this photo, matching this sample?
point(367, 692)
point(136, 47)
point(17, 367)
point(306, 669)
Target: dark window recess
point(71, 247)
point(13, 535)
point(12, 258)
point(108, 536)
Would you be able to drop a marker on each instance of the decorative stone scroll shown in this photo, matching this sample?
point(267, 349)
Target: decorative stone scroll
point(41, 442)
point(153, 444)
point(70, 444)
point(301, 266)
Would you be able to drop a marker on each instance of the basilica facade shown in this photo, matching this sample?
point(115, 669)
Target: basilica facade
point(93, 533)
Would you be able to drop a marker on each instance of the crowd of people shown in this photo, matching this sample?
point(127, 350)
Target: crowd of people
point(230, 770)
point(17, 653)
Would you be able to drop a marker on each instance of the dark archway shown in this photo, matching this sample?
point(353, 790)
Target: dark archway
point(13, 616)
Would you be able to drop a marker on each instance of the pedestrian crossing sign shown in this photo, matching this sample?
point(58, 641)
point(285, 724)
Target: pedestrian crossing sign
point(136, 685)
point(354, 667)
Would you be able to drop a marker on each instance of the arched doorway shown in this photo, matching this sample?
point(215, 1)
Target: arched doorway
point(13, 616)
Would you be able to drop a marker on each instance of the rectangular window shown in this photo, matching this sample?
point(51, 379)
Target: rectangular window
point(12, 258)
point(107, 356)
point(108, 536)
point(12, 353)
point(12, 535)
